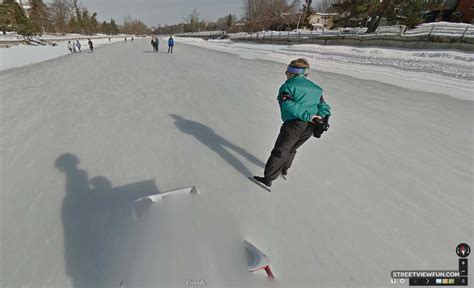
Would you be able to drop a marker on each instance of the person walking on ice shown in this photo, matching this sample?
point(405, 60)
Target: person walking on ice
point(91, 45)
point(154, 43)
point(78, 45)
point(303, 111)
point(69, 46)
point(170, 44)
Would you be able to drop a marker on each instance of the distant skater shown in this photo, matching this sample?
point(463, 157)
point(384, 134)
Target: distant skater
point(155, 43)
point(74, 47)
point(170, 44)
point(69, 46)
point(78, 45)
point(91, 45)
point(303, 111)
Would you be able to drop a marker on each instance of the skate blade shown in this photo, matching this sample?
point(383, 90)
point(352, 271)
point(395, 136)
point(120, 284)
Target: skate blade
point(260, 184)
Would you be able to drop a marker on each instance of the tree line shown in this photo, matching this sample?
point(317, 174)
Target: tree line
point(369, 13)
point(67, 16)
point(287, 15)
point(61, 16)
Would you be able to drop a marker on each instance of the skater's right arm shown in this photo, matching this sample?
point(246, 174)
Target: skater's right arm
point(290, 108)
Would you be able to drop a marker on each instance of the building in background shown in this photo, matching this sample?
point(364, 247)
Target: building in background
point(452, 11)
point(322, 20)
point(465, 8)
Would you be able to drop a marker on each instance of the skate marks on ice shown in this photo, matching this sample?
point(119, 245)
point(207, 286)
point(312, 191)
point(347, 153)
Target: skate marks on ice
point(216, 143)
point(97, 223)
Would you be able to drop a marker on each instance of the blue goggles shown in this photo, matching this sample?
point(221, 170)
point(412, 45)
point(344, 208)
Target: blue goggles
point(295, 70)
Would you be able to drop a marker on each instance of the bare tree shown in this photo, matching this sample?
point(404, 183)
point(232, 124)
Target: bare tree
point(192, 21)
point(60, 12)
point(263, 14)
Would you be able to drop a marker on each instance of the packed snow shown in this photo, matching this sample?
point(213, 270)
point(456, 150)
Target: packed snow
point(388, 187)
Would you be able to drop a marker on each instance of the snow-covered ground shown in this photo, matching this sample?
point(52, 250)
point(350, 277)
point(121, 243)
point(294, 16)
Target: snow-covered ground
point(388, 187)
point(21, 55)
point(437, 71)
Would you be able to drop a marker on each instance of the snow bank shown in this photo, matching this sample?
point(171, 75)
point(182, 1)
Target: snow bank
point(446, 72)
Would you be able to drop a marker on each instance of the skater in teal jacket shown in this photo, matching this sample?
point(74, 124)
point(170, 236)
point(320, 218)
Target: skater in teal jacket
point(301, 106)
point(299, 98)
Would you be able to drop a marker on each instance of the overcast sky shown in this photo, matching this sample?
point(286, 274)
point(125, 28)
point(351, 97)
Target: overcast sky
point(154, 12)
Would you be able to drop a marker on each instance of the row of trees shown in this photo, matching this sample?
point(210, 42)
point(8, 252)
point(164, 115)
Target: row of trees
point(283, 15)
point(67, 16)
point(193, 23)
point(258, 15)
point(286, 14)
point(61, 16)
point(353, 13)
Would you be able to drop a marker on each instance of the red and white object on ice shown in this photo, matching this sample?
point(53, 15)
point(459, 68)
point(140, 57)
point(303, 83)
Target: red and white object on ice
point(258, 260)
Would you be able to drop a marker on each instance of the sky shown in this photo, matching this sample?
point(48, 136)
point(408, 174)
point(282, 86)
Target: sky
point(155, 12)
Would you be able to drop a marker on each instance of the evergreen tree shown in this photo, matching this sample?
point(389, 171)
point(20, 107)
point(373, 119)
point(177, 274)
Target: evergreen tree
point(85, 21)
point(114, 29)
point(230, 20)
point(369, 13)
point(7, 17)
point(73, 25)
point(93, 24)
point(13, 18)
point(39, 17)
point(105, 28)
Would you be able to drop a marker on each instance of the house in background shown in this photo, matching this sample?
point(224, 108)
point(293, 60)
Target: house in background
point(466, 10)
point(452, 11)
point(322, 20)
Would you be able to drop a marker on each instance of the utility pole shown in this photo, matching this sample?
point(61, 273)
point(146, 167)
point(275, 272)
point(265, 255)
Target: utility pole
point(305, 10)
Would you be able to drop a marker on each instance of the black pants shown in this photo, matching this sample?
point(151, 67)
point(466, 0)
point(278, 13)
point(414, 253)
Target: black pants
point(170, 48)
point(292, 135)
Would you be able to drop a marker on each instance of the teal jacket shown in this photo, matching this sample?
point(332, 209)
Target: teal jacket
point(299, 98)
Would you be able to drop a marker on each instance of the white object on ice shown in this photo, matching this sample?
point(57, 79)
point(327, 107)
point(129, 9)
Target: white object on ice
point(139, 204)
point(258, 260)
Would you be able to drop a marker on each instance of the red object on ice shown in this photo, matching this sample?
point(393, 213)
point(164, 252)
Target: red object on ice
point(269, 271)
point(258, 260)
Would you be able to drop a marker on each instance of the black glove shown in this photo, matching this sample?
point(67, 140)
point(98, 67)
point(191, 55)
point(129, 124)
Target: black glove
point(320, 126)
